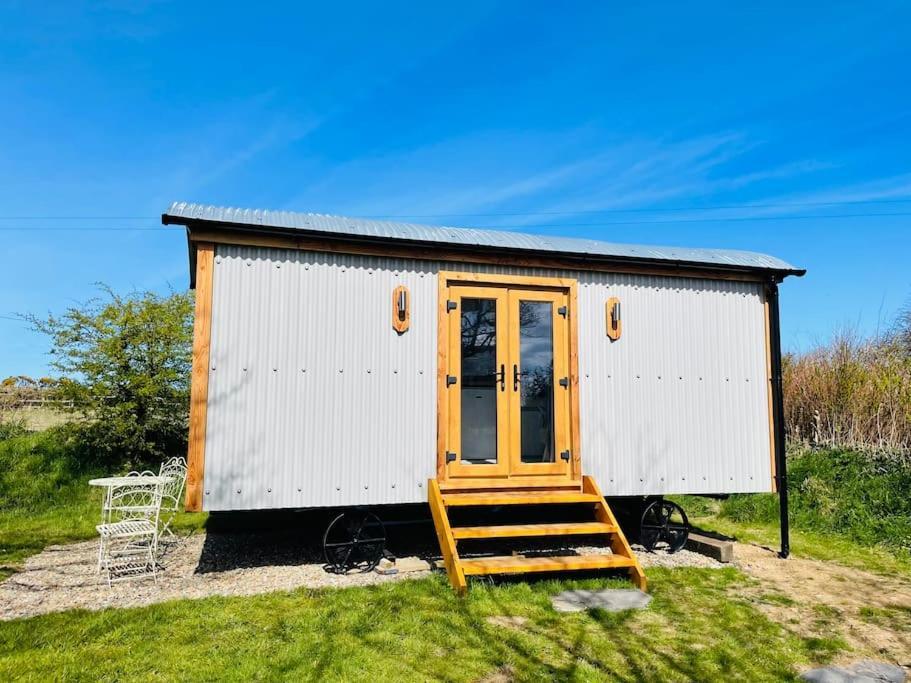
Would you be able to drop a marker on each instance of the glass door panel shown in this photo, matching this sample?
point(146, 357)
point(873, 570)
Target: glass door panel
point(540, 406)
point(536, 381)
point(478, 440)
point(478, 387)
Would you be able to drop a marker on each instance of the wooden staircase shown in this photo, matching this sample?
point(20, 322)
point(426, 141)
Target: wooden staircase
point(604, 522)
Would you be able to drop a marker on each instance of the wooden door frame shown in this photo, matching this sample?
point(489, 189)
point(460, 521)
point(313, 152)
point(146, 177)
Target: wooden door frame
point(444, 280)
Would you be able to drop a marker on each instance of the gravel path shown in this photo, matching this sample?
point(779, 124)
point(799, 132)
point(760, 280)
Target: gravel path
point(63, 577)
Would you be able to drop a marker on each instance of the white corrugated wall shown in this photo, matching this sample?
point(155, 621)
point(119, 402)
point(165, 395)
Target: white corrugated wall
point(314, 400)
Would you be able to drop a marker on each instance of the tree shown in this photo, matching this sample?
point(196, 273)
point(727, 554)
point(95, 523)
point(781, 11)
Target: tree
point(125, 364)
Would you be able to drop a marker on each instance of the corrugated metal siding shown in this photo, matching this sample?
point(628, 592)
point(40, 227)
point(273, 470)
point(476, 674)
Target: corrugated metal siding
point(314, 400)
point(180, 212)
point(679, 404)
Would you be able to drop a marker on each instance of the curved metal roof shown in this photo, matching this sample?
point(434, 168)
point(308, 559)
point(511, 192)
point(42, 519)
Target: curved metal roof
point(184, 213)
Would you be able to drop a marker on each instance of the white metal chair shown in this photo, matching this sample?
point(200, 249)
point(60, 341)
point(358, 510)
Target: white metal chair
point(121, 508)
point(171, 491)
point(129, 545)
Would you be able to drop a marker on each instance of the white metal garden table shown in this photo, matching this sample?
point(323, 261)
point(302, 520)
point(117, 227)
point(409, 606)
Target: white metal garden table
point(137, 496)
point(111, 483)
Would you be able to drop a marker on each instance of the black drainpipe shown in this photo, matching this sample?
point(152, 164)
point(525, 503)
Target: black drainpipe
point(781, 463)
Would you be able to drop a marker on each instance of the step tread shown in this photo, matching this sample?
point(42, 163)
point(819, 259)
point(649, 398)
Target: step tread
point(520, 565)
point(518, 498)
point(527, 530)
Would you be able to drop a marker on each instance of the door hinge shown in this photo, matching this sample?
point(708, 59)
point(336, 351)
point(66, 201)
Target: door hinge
point(562, 311)
point(564, 382)
point(450, 456)
point(565, 455)
point(451, 305)
point(450, 380)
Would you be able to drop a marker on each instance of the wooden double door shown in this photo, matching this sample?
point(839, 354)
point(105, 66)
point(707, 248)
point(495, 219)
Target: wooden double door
point(507, 383)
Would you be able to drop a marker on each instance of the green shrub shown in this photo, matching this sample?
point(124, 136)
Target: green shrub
point(11, 427)
point(862, 497)
point(125, 367)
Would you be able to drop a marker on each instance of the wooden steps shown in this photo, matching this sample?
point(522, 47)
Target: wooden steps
point(588, 497)
point(521, 565)
point(529, 530)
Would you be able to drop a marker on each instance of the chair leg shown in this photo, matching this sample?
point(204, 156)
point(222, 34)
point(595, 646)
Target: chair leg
point(100, 553)
point(154, 563)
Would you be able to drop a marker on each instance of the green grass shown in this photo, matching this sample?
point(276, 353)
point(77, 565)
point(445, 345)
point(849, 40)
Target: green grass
point(846, 507)
point(818, 546)
point(844, 493)
point(695, 629)
point(45, 498)
point(828, 547)
point(896, 617)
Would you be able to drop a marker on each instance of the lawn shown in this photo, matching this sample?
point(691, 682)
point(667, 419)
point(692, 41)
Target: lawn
point(695, 629)
point(700, 625)
point(845, 506)
point(828, 547)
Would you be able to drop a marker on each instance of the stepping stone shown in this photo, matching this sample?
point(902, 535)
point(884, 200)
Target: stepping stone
point(866, 671)
point(611, 600)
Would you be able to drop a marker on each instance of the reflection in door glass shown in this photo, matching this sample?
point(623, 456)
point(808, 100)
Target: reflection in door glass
point(536, 354)
point(479, 381)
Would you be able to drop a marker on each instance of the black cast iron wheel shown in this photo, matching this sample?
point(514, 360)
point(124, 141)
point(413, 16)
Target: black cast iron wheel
point(354, 541)
point(664, 522)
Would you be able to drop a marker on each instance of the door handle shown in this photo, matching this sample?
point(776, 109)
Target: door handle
point(515, 377)
point(501, 377)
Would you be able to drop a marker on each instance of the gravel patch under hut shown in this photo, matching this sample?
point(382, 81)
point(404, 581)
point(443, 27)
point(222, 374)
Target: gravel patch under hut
point(63, 577)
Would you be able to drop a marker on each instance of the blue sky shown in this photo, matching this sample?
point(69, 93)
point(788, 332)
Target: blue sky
point(623, 123)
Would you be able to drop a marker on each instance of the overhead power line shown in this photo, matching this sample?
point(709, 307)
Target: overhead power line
point(668, 221)
point(570, 212)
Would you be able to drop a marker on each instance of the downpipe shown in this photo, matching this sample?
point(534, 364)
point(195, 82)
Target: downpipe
point(781, 463)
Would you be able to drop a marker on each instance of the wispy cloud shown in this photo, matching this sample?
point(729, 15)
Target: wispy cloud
point(237, 135)
point(472, 180)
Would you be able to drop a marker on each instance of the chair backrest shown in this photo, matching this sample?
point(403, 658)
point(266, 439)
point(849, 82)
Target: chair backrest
point(118, 497)
point(135, 502)
point(176, 469)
